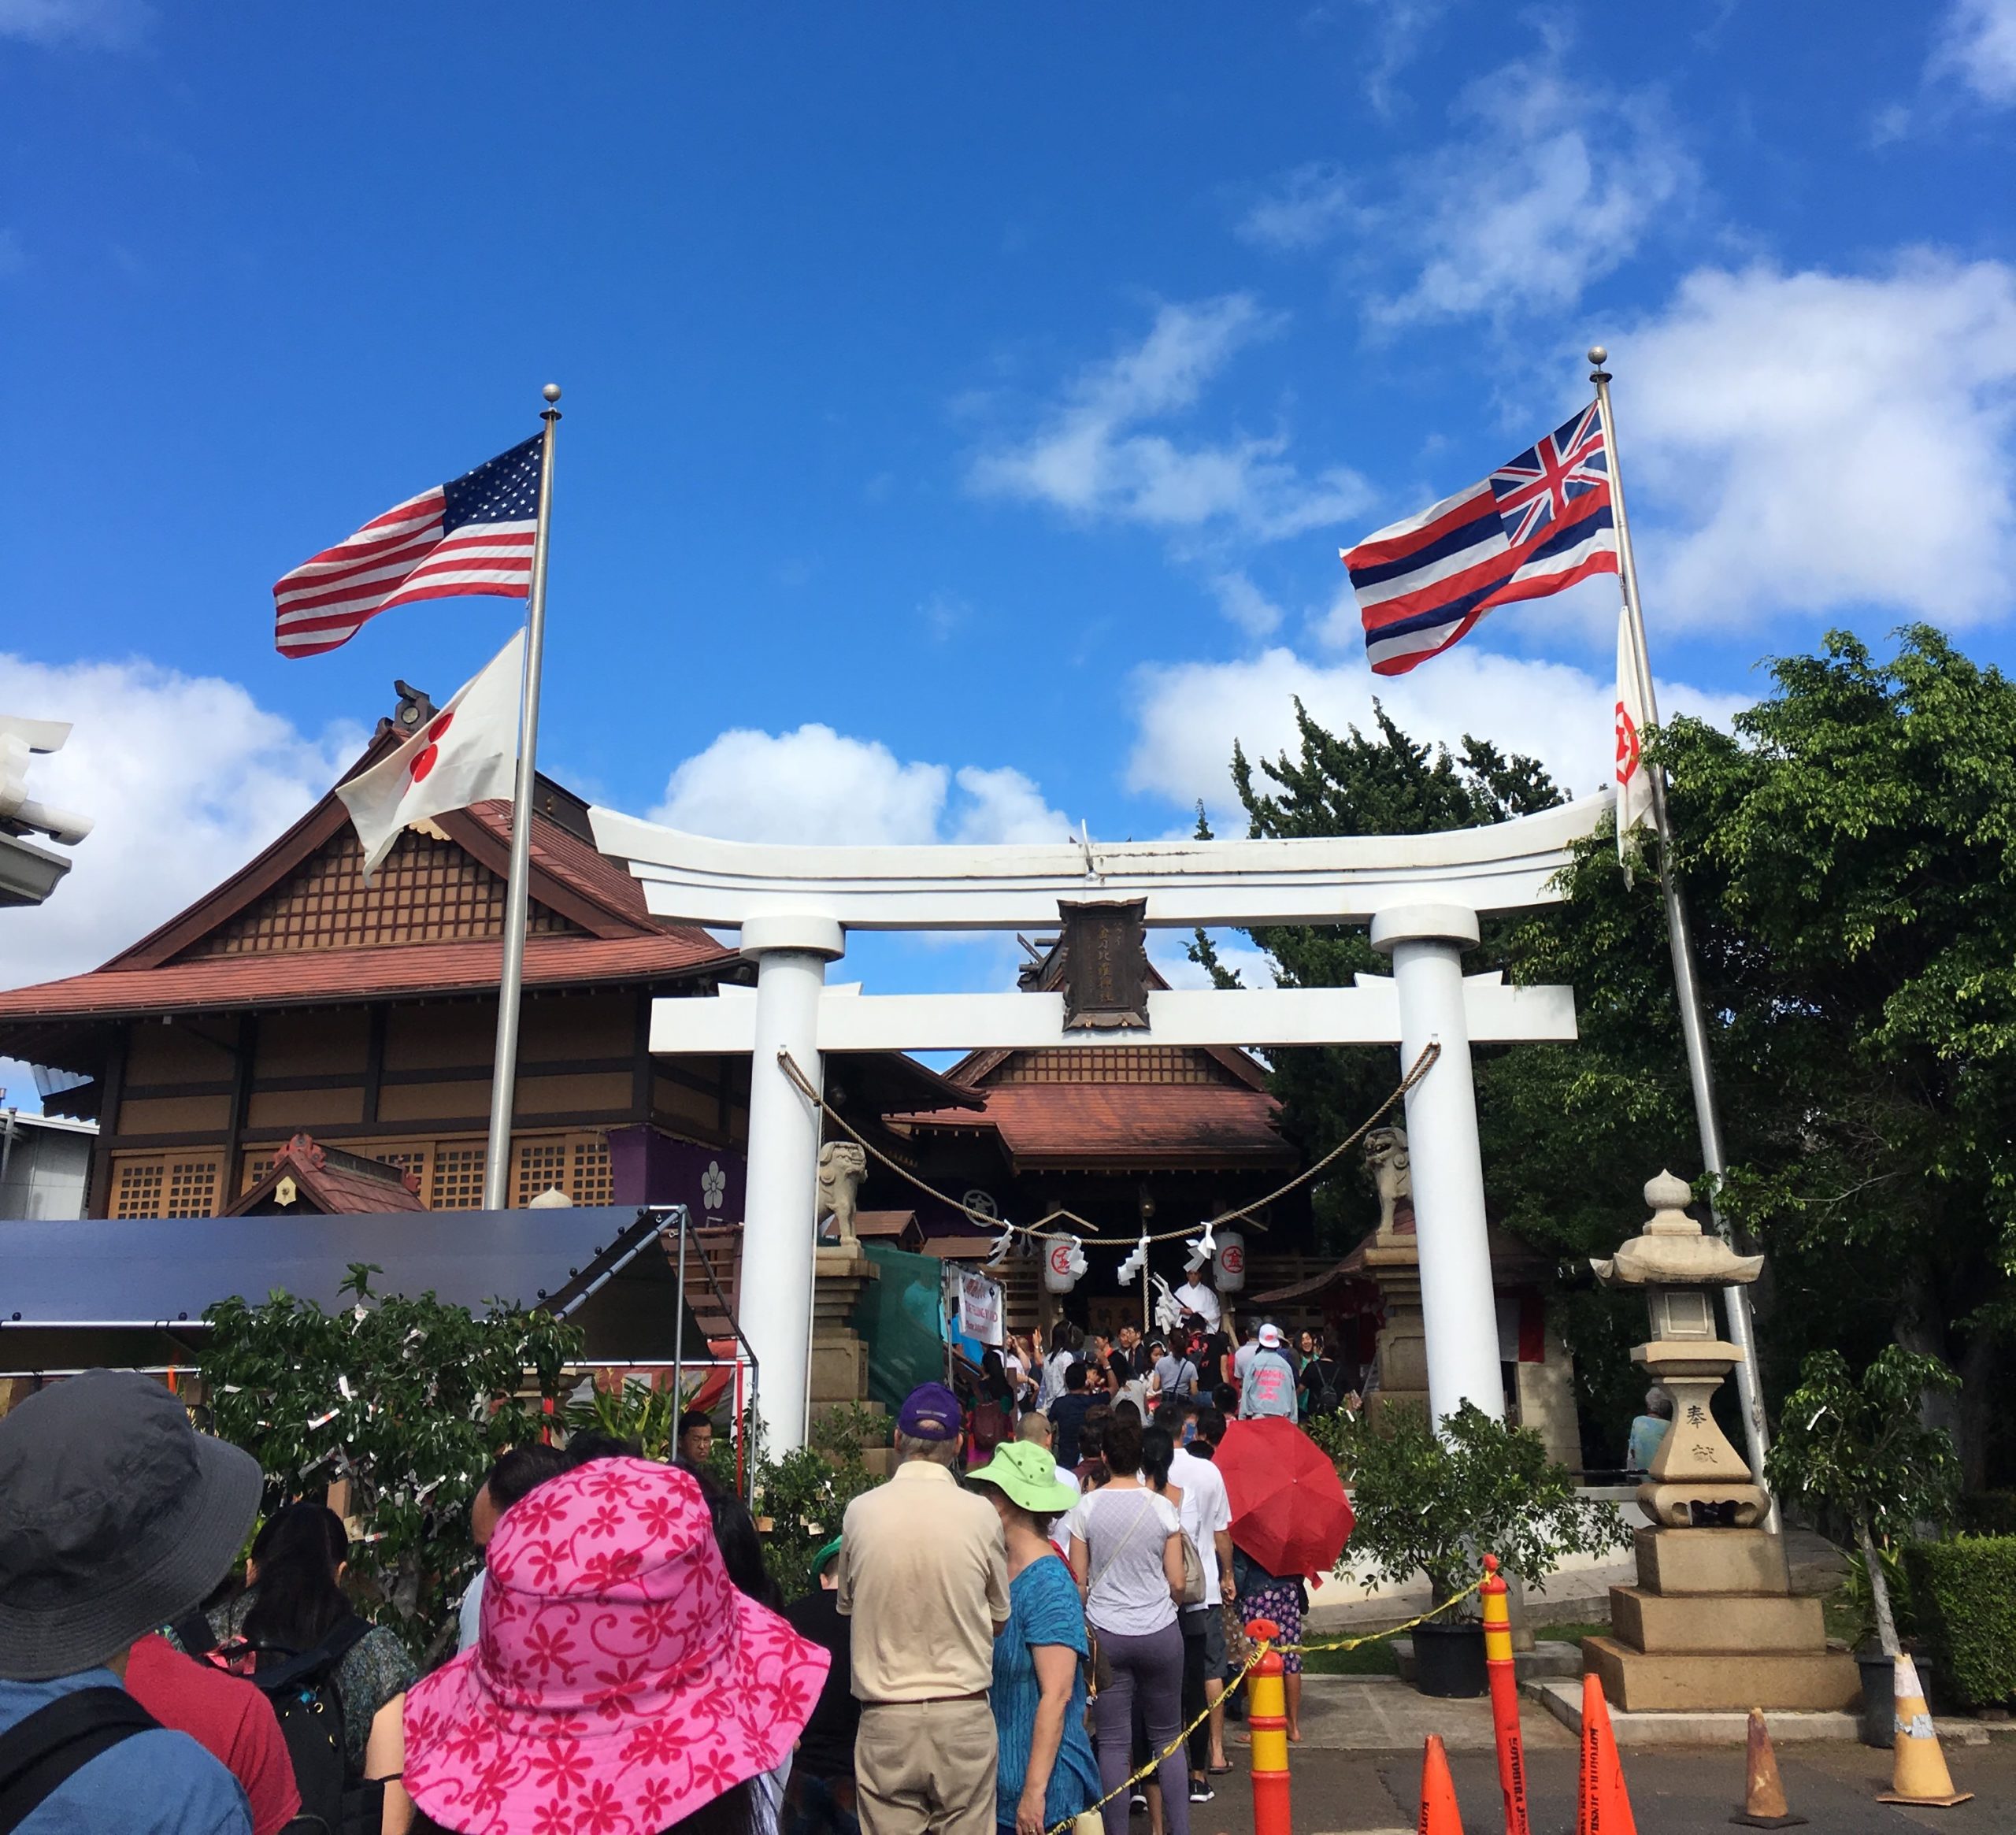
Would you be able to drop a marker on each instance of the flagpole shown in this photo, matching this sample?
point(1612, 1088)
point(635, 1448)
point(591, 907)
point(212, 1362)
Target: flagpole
point(504, 1076)
point(1693, 1023)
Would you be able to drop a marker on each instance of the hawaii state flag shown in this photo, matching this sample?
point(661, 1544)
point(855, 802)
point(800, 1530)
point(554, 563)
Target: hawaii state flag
point(467, 753)
point(1538, 524)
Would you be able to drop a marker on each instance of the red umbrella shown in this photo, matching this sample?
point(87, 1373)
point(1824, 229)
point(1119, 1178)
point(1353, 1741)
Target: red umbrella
point(1289, 1512)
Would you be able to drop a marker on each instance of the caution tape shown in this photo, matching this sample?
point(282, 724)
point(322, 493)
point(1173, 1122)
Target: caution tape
point(1245, 1669)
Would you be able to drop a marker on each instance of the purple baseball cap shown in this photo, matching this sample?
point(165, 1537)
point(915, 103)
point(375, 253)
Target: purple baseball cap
point(930, 1411)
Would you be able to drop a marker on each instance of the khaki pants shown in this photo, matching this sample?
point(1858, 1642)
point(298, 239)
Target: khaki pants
point(926, 1764)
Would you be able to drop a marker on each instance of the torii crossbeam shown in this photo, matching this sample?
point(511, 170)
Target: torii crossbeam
point(1422, 894)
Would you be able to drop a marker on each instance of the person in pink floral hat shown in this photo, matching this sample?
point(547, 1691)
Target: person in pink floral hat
point(619, 1684)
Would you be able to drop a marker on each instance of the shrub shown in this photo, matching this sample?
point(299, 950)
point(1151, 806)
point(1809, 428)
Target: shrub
point(1434, 1502)
point(1965, 1591)
point(409, 1399)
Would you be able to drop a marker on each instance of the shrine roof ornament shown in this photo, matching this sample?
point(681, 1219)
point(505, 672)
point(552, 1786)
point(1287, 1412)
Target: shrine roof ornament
point(1503, 867)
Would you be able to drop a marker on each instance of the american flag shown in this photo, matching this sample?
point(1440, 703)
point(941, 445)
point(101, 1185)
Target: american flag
point(1537, 524)
point(473, 536)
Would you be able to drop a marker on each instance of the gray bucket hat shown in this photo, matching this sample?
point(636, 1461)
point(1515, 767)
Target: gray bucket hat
point(116, 1517)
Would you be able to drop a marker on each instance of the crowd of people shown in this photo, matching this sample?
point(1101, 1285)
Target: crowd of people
point(1029, 1612)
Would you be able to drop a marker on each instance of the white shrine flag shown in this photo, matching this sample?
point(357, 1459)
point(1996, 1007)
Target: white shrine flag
point(467, 753)
point(1634, 784)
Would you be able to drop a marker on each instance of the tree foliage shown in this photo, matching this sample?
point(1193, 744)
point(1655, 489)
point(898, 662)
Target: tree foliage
point(1435, 1502)
point(1848, 853)
point(1856, 1446)
point(409, 1399)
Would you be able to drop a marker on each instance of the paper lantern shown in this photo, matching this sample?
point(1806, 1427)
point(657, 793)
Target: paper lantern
point(1229, 1264)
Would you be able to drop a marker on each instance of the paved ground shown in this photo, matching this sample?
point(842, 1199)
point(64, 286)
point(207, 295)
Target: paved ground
point(1358, 1770)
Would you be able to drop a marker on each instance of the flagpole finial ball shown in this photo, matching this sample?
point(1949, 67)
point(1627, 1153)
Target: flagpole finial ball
point(1599, 355)
point(551, 391)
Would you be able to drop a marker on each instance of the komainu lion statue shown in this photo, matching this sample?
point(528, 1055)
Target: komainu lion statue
point(1386, 1153)
point(842, 1165)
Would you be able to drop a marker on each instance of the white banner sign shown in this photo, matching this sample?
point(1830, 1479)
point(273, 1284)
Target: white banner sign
point(980, 1307)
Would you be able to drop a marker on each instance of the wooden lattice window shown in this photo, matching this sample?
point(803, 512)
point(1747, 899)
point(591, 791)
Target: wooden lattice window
point(541, 1165)
point(408, 1159)
point(426, 892)
point(192, 1188)
point(593, 1182)
point(136, 1192)
point(257, 1166)
point(1151, 1064)
point(457, 1179)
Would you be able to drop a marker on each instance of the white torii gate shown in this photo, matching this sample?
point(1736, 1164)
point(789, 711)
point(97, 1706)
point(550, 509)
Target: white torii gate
point(1422, 893)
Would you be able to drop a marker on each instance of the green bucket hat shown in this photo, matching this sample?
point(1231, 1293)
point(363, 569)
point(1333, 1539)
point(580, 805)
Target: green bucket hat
point(1027, 1474)
point(825, 1555)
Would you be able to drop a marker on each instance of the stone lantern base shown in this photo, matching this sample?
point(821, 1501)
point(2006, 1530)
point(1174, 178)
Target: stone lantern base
point(1713, 1623)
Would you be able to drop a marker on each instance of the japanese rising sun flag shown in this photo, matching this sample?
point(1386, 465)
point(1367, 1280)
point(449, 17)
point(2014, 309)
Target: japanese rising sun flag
point(1539, 523)
point(467, 753)
point(473, 535)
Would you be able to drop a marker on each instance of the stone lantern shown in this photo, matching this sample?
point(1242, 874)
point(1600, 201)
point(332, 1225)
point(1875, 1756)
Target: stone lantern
point(1713, 1624)
point(1698, 1480)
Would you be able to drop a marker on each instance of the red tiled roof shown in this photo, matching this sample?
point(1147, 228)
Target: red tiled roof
point(579, 867)
point(1045, 1124)
point(334, 1182)
point(326, 976)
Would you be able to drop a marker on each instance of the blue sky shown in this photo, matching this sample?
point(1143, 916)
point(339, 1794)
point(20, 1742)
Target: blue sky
point(964, 406)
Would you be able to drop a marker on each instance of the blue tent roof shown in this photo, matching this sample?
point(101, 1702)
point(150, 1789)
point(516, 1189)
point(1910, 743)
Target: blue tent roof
point(133, 1290)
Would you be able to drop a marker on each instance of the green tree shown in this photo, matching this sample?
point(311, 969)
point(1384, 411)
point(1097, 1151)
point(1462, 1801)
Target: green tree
point(1383, 783)
point(1849, 853)
point(1856, 1446)
point(409, 1399)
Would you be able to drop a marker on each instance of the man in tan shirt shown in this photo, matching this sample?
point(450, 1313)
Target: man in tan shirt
point(923, 1576)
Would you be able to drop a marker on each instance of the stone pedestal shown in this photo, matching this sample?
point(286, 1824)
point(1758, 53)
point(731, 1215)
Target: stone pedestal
point(1712, 1624)
point(1392, 1259)
point(839, 1358)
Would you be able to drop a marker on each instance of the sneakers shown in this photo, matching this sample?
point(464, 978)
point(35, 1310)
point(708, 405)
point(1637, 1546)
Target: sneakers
point(1201, 1791)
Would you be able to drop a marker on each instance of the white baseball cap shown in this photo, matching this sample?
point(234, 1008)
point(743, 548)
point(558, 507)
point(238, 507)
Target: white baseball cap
point(1270, 1336)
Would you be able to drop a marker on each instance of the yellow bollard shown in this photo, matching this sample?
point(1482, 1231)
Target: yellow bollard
point(1267, 1722)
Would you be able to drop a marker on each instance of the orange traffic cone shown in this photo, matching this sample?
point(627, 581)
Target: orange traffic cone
point(1763, 1791)
point(1606, 1806)
point(1917, 1772)
point(1439, 1814)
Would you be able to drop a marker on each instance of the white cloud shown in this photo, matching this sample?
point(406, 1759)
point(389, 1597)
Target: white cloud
point(1814, 440)
point(1550, 185)
point(1190, 714)
point(108, 24)
point(186, 778)
point(1308, 206)
point(815, 784)
point(1977, 44)
point(1545, 185)
point(1246, 606)
point(1002, 805)
point(1091, 455)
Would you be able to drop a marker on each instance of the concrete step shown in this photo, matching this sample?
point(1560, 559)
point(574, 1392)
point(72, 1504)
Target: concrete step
point(1690, 1727)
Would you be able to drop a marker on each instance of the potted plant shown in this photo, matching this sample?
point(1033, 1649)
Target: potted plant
point(1434, 1501)
point(1856, 1447)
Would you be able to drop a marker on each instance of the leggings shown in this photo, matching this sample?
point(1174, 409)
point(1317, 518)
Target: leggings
point(1152, 1667)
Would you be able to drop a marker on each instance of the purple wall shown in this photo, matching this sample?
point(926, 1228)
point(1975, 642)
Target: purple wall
point(647, 1167)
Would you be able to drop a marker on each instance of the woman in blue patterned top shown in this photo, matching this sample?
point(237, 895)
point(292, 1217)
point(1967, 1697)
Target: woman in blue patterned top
point(1047, 1773)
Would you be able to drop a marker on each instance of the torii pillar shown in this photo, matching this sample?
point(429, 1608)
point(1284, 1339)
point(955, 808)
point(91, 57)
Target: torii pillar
point(790, 950)
point(1459, 1310)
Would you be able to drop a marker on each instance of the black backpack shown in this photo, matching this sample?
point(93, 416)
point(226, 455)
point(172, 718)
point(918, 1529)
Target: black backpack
point(60, 1738)
point(301, 1686)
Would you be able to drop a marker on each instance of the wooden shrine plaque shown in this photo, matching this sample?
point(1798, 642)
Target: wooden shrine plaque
point(1106, 964)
